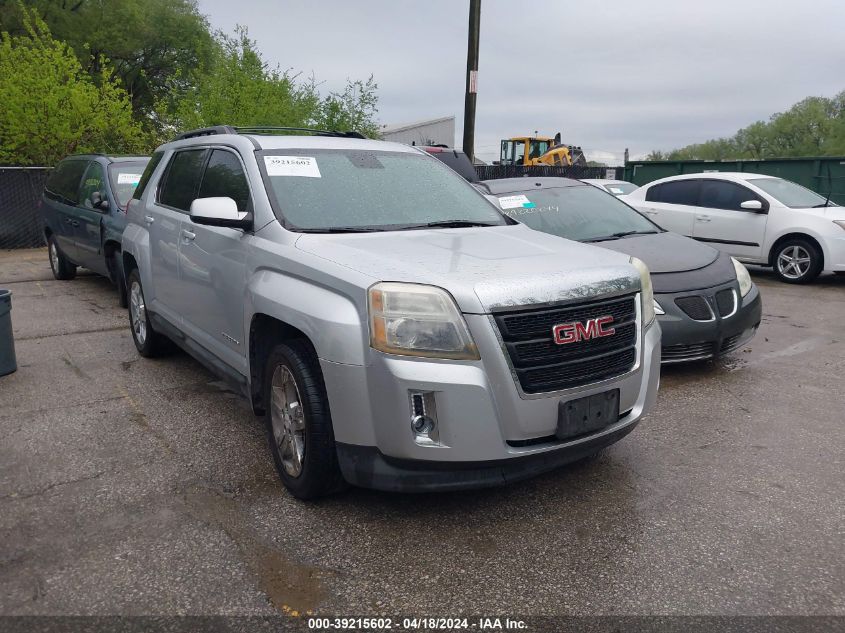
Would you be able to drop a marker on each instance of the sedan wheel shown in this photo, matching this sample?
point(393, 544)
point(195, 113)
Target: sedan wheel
point(797, 261)
point(794, 262)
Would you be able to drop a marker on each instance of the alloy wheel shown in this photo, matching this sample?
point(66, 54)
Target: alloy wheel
point(794, 261)
point(54, 257)
point(288, 420)
point(138, 312)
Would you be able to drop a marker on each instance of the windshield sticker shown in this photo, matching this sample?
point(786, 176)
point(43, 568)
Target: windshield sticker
point(305, 166)
point(615, 189)
point(128, 179)
point(516, 202)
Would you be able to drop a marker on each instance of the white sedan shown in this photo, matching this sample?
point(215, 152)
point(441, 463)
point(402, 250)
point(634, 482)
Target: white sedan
point(756, 218)
point(616, 187)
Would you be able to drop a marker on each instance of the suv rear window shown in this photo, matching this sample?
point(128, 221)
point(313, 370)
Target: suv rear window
point(148, 173)
point(65, 179)
point(675, 192)
point(182, 181)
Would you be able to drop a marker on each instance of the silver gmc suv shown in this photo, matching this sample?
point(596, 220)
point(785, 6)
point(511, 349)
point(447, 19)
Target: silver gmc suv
point(394, 328)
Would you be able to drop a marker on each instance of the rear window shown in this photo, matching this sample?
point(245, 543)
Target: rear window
point(675, 192)
point(125, 177)
point(65, 179)
point(146, 175)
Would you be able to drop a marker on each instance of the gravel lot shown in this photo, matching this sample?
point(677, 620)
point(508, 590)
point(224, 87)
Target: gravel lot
point(135, 486)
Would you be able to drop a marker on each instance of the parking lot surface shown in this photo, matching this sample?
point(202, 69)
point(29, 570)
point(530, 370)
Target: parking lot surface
point(135, 486)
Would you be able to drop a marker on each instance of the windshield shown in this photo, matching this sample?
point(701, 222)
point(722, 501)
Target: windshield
point(789, 193)
point(620, 188)
point(581, 213)
point(124, 178)
point(321, 190)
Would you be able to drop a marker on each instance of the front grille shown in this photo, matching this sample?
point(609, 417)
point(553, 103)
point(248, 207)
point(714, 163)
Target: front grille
point(677, 353)
point(541, 365)
point(695, 307)
point(726, 302)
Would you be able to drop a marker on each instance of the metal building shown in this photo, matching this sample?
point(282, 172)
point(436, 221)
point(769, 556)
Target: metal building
point(432, 132)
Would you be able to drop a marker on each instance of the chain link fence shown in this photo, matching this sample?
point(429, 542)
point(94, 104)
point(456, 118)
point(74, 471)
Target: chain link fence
point(493, 172)
point(20, 198)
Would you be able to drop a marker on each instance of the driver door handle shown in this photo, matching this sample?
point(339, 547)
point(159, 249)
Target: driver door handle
point(148, 219)
point(188, 235)
point(702, 218)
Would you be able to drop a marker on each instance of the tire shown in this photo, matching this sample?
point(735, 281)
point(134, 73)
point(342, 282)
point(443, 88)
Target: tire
point(148, 342)
point(797, 261)
point(839, 273)
point(62, 268)
point(301, 442)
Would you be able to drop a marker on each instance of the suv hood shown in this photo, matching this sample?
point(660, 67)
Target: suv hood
point(485, 268)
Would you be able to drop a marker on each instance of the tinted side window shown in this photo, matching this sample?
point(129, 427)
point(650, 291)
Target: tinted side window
point(677, 192)
point(95, 180)
point(148, 173)
point(182, 181)
point(65, 179)
point(224, 177)
point(721, 194)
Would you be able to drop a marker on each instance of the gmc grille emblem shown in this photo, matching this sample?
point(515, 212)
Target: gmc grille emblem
point(566, 333)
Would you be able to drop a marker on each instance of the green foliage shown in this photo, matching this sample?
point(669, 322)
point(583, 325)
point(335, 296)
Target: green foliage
point(50, 107)
point(154, 46)
point(240, 88)
point(812, 127)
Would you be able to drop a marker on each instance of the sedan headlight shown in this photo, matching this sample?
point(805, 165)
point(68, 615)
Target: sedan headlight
point(742, 277)
point(646, 291)
point(418, 320)
point(840, 223)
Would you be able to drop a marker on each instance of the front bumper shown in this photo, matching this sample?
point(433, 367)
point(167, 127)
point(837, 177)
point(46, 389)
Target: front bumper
point(488, 432)
point(686, 339)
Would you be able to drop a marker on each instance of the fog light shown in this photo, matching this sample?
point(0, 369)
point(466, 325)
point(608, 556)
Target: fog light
point(423, 417)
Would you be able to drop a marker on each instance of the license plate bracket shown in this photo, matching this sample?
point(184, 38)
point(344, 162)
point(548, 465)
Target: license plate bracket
point(587, 414)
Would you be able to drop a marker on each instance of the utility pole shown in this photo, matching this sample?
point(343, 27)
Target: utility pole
point(472, 78)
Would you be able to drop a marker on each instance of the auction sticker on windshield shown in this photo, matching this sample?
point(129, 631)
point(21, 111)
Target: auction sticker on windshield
point(128, 179)
point(304, 166)
point(516, 202)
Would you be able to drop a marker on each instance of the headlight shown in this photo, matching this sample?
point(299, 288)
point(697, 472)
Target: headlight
point(742, 277)
point(646, 291)
point(658, 309)
point(418, 320)
point(840, 223)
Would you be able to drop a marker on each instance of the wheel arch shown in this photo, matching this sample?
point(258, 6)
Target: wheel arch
point(795, 235)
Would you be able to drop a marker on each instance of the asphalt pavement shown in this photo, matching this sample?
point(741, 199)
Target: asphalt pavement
point(134, 486)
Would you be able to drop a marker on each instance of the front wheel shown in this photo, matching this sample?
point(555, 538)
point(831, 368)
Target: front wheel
point(797, 261)
point(62, 268)
point(299, 424)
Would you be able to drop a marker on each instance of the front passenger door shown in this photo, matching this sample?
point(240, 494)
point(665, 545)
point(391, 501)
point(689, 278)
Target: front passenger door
point(721, 220)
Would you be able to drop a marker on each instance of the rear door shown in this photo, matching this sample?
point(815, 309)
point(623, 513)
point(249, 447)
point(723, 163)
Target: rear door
point(163, 219)
point(673, 205)
point(89, 232)
point(722, 221)
point(213, 280)
point(61, 193)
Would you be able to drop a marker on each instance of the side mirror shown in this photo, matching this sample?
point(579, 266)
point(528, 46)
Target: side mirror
point(754, 205)
point(219, 212)
point(98, 202)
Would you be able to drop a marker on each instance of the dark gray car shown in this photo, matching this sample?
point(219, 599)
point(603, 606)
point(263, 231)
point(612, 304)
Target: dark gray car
point(704, 299)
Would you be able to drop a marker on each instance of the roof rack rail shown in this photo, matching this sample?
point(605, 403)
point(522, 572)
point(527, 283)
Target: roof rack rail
point(263, 129)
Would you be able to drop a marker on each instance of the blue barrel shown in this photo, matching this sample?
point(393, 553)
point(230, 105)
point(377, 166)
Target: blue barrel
point(8, 364)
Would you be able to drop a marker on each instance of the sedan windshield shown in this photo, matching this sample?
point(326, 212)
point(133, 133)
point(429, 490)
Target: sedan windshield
point(319, 190)
point(582, 213)
point(789, 193)
point(621, 188)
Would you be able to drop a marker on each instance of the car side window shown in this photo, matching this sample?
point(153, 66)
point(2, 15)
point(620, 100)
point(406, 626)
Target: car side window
point(64, 181)
point(224, 177)
point(94, 181)
point(148, 173)
point(722, 194)
point(182, 180)
point(675, 192)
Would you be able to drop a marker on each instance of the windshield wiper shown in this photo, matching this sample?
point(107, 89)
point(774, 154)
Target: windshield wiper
point(342, 229)
point(603, 238)
point(627, 233)
point(448, 224)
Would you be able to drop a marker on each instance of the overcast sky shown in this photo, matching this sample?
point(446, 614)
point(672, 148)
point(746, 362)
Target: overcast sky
point(642, 74)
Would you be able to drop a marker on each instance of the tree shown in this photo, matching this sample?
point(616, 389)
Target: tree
point(353, 109)
point(152, 47)
point(49, 105)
